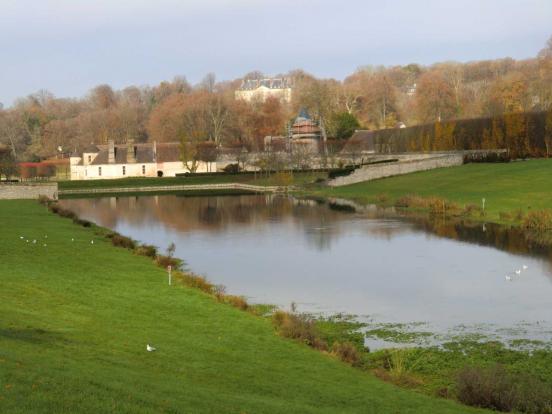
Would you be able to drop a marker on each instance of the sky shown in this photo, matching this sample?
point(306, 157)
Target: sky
point(69, 46)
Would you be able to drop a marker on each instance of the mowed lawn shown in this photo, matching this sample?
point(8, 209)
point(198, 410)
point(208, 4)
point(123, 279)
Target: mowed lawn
point(505, 186)
point(75, 319)
point(297, 178)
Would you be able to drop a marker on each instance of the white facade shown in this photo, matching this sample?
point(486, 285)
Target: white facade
point(262, 93)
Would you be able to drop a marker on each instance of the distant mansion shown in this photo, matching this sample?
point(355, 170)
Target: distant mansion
point(261, 89)
point(131, 160)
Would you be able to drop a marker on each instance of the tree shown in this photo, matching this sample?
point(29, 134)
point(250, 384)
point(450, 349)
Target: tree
point(345, 124)
point(8, 166)
point(435, 99)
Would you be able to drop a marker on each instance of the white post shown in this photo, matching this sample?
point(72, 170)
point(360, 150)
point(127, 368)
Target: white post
point(169, 268)
point(483, 203)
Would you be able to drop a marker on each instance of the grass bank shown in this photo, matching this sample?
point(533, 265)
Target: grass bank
point(76, 318)
point(508, 188)
point(298, 178)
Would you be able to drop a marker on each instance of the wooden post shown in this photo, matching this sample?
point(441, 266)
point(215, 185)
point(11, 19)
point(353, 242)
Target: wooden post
point(169, 269)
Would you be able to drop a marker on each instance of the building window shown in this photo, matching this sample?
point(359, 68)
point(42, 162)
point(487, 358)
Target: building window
point(100, 171)
point(124, 170)
point(143, 169)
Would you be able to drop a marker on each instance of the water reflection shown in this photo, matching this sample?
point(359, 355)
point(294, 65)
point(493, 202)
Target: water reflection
point(276, 249)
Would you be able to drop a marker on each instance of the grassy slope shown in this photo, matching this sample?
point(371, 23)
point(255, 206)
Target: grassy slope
point(298, 178)
point(506, 187)
point(75, 319)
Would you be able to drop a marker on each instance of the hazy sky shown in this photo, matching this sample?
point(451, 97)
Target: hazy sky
point(69, 46)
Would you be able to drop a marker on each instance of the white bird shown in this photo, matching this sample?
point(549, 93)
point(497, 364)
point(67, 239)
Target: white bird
point(91, 241)
point(72, 239)
point(150, 348)
point(518, 272)
point(44, 244)
point(508, 278)
point(27, 241)
point(34, 241)
point(524, 267)
point(21, 237)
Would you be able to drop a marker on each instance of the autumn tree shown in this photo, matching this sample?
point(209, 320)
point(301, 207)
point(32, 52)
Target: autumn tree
point(435, 99)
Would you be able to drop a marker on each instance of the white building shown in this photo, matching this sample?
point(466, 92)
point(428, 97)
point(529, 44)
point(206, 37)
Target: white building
point(131, 160)
point(261, 89)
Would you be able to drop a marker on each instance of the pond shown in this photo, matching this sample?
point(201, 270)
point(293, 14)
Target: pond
point(439, 277)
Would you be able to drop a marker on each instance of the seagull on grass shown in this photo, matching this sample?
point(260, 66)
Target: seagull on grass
point(150, 348)
point(508, 278)
point(518, 272)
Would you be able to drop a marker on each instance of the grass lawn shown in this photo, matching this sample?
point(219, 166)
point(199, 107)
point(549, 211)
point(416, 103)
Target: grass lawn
point(273, 179)
point(76, 318)
point(505, 186)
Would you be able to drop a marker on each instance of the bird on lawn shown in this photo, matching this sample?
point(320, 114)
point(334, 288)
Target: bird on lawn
point(91, 241)
point(21, 237)
point(508, 278)
point(150, 348)
point(518, 272)
point(34, 241)
point(72, 239)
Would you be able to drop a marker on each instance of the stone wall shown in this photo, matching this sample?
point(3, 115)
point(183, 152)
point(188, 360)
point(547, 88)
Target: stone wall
point(14, 191)
point(404, 166)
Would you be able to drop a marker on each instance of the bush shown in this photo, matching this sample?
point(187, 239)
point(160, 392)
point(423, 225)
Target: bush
point(346, 352)
point(81, 222)
point(504, 216)
point(382, 198)
point(283, 178)
point(146, 250)
point(44, 200)
point(196, 282)
point(122, 241)
point(62, 212)
point(165, 261)
point(538, 220)
point(498, 389)
point(236, 301)
point(299, 327)
point(471, 209)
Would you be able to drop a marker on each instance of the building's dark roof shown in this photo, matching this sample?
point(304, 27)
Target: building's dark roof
point(91, 149)
point(144, 153)
point(272, 83)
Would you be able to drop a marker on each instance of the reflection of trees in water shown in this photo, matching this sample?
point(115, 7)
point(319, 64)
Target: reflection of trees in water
point(321, 225)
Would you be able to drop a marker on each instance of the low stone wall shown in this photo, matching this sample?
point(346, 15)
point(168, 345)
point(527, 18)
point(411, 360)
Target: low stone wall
point(191, 187)
point(14, 191)
point(406, 166)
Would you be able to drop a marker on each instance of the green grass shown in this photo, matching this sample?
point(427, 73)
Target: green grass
point(76, 317)
point(258, 179)
point(505, 186)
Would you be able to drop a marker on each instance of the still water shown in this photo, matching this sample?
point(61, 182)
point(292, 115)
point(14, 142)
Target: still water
point(445, 277)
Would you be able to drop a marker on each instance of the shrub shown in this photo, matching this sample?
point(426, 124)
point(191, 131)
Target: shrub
point(471, 209)
point(236, 301)
point(538, 220)
point(122, 241)
point(498, 389)
point(44, 200)
point(195, 281)
point(299, 327)
point(146, 250)
point(62, 212)
point(165, 261)
point(346, 352)
point(382, 198)
point(504, 216)
point(81, 222)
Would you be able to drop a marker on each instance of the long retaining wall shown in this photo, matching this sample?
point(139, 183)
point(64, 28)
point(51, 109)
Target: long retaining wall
point(194, 187)
point(406, 166)
point(14, 191)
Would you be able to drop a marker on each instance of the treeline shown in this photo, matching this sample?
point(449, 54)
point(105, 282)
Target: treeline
point(41, 125)
point(527, 134)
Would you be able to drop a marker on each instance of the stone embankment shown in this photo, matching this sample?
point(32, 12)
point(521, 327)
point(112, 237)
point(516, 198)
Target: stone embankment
point(409, 163)
point(15, 191)
point(194, 187)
